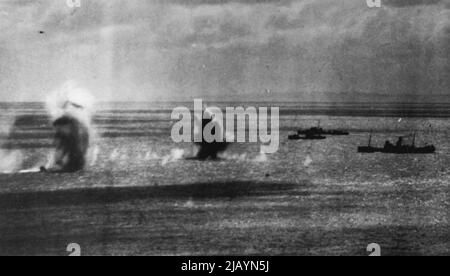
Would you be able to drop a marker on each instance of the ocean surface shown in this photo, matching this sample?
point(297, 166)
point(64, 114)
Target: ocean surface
point(141, 195)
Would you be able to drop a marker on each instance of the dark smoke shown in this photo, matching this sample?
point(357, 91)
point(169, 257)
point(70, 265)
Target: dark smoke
point(72, 144)
point(210, 150)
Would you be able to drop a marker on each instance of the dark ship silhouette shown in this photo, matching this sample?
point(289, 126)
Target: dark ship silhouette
point(398, 148)
point(320, 131)
point(315, 133)
point(308, 136)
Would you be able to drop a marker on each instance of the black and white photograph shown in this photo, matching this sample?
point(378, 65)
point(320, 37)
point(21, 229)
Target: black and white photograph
point(225, 128)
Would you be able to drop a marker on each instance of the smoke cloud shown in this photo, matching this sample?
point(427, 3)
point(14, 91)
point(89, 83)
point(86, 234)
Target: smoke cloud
point(71, 109)
point(10, 160)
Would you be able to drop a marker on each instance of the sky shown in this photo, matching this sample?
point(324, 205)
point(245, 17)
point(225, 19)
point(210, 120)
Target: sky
point(293, 50)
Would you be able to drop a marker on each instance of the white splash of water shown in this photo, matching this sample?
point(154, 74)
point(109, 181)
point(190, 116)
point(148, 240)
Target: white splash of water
point(189, 204)
point(33, 170)
point(94, 155)
point(262, 157)
point(308, 161)
point(11, 161)
point(50, 159)
point(175, 155)
point(237, 157)
point(150, 155)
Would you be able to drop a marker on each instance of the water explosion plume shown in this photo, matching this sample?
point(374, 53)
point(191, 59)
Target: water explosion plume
point(71, 109)
point(210, 150)
point(11, 160)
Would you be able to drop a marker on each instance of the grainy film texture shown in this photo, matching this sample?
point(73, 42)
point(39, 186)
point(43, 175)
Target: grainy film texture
point(224, 127)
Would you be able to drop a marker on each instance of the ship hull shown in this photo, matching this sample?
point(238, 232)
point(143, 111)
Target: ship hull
point(331, 132)
point(405, 150)
point(298, 137)
point(367, 150)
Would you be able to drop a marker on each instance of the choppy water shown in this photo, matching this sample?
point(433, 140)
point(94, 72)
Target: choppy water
point(134, 139)
point(330, 199)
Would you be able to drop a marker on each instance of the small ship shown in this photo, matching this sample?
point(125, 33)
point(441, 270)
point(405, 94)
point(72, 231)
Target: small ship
point(320, 131)
point(398, 148)
point(315, 133)
point(307, 137)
